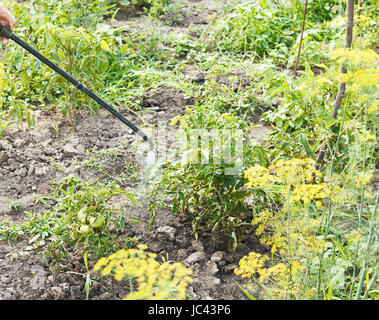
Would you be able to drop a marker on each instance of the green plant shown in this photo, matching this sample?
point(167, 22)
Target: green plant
point(81, 216)
point(81, 55)
point(317, 43)
point(322, 10)
point(312, 257)
point(256, 28)
point(205, 183)
point(5, 122)
point(104, 60)
point(30, 82)
point(268, 28)
point(183, 44)
point(79, 13)
point(153, 8)
point(87, 275)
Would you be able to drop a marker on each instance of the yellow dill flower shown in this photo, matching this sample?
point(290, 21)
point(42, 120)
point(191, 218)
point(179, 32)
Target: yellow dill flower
point(362, 79)
point(318, 203)
point(364, 178)
point(142, 246)
point(354, 236)
point(258, 176)
point(356, 56)
point(373, 107)
point(250, 264)
point(283, 173)
point(296, 266)
point(101, 262)
point(156, 281)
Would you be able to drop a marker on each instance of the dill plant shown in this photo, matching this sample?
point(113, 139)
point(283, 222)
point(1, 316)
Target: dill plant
point(156, 281)
point(308, 259)
point(327, 228)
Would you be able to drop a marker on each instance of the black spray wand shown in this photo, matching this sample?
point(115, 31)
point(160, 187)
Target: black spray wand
point(6, 32)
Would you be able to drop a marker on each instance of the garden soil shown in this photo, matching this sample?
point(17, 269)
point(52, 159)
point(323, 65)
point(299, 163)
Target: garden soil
point(31, 160)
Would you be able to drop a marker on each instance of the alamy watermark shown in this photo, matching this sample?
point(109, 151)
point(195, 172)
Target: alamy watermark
point(194, 146)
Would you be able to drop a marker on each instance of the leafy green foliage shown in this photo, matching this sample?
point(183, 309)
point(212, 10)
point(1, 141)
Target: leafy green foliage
point(107, 62)
point(322, 10)
point(271, 28)
point(257, 29)
point(78, 13)
point(204, 190)
point(81, 216)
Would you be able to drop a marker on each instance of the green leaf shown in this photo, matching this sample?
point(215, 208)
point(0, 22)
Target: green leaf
point(25, 79)
point(134, 200)
point(338, 246)
point(330, 291)
point(245, 292)
point(85, 261)
point(308, 150)
point(55, 57)
point(122, 224)
point(88, 285)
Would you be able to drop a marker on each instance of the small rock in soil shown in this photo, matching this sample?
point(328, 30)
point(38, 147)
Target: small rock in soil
point(195, 257)
point(218, 256)
point(150, 102)
point(69, 150)
point(49, 151)
point(75, 292)
point(18, 143)
point(229, 268)
point(9, 296)
point(20, 172)
point(221, 263)
point(167, 231)
point(197, 245)
point(40, 171)
point(57, 292)
point(31, 169)
point(156, 108)
point(215, 281)
point(211, 267)
point(5, 279)
point(3, 157)
point(105, 296)
point(228, 258)
point(181, 241)
point(5, 145)
point(198, 78)
point(182, 254)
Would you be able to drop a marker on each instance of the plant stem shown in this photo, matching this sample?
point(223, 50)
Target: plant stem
point(360, 213)
point(359, 11)
point(348, 41)
point(131, 285)
point(301, 37)
point(342, 85)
